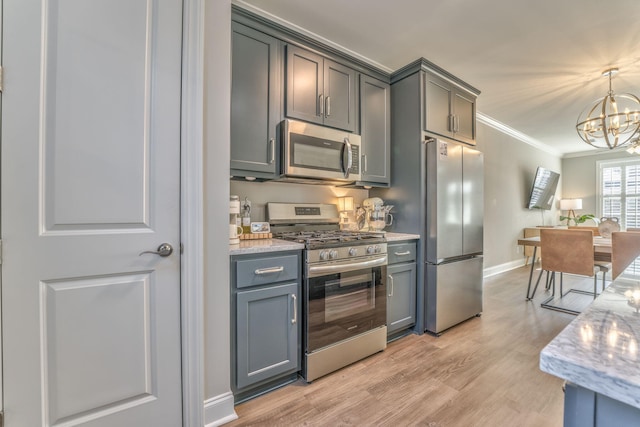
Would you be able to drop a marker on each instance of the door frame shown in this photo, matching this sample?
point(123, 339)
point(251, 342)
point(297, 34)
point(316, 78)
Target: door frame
point(191, 214)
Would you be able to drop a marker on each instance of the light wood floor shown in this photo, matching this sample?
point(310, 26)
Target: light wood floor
point(483, 372)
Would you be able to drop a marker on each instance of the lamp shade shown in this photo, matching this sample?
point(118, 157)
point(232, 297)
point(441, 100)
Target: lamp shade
point(570, 204)
point(345, 203)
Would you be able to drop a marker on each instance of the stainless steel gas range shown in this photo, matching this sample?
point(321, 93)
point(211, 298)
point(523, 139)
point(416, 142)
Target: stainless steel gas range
point(344, 288)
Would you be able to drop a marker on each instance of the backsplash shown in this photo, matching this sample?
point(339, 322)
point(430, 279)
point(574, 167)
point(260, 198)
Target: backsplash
point(260, 193)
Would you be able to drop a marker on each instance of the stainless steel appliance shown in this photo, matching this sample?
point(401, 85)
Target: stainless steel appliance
point(344, 288)
point(376, 215)
point(312, 152)
point(441, 196)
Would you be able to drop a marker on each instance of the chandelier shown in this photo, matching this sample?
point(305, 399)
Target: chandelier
point(612, 120)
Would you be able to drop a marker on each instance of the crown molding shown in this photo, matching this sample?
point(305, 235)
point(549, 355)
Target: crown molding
point(501, 127)
point(311, 35)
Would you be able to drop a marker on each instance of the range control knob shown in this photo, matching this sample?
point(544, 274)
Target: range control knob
point(370, 249)
point(333, 254)
point(377, 249)
point(353, 252)
point(324, 255)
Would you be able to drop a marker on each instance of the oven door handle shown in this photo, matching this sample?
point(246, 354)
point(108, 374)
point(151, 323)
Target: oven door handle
point(319, 270)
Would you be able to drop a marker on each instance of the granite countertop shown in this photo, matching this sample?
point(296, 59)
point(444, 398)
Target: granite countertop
point(396, 237)
point(599, 350)
point(263, 245)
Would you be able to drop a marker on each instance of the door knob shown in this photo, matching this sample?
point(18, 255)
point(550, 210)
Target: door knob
point(163, 250)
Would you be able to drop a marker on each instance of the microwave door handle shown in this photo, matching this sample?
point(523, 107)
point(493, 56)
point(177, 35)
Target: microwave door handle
point(349, 160)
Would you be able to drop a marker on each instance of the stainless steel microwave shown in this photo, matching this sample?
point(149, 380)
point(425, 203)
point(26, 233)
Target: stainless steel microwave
point(319, 153)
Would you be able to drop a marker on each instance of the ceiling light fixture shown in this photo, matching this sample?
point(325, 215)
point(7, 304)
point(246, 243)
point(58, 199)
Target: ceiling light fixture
point(611, 121)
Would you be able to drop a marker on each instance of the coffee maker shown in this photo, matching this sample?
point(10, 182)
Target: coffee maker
point(376, 215)
point(234, 214)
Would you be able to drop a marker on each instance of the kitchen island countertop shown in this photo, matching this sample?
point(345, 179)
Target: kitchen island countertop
point(600, 349)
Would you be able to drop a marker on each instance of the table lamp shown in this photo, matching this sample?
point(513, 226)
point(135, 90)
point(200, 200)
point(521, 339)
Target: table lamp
point(570, 205)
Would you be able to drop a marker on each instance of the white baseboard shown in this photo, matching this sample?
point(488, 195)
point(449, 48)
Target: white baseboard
point(219, 410)
point(497, 269)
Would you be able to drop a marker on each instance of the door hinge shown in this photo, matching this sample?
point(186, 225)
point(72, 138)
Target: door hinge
point(1, 89)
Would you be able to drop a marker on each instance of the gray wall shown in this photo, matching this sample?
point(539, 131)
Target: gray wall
point(580, 178)
point(510, 167)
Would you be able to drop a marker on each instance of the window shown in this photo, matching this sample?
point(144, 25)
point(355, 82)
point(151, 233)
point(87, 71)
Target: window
point(619, 196)
point(619, 191)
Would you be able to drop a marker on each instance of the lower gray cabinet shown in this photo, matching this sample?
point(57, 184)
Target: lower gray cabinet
point(266, 321)
point(267, 333)
point(586, 408)
point(401, 287)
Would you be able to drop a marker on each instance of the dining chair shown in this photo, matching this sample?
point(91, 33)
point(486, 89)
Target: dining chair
point(569, 251)
point(625, 248)
point(596, 231)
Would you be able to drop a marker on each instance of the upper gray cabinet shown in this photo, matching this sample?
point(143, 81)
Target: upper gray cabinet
point(256, 109)
point(449, 110)
point(319, 90)
point(375, 129)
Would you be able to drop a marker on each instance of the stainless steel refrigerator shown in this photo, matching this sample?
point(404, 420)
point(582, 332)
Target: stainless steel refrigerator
point(453, 235)
point(437, 191)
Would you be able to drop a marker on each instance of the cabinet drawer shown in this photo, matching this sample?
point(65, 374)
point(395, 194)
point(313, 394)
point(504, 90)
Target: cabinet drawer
point(260, 271)
point(401, 252)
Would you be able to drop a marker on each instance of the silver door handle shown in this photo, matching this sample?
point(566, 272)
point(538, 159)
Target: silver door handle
point(163, 250)
point(321, 102)
point(391, 283)
point(269, 270)
point(365, 166)
point(328, 109)
point(456, 121)
point(346, 165)
point(295, 308)
point(272, 146)
point(402, 253)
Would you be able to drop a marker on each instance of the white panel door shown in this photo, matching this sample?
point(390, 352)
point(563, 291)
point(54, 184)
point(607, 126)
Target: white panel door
point(90, 179)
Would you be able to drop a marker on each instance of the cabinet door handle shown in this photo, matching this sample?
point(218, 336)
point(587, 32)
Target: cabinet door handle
point(451, 124)
point(272, 150)
point(294, 298)
point(390, 283)
point(456, 122)
point(402, 253)
point(269, 270)
point(328, 108)
point(365, 166)
point(321, 103)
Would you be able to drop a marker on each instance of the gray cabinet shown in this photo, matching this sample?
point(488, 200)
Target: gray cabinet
point(586, 408)
point(401, 287)
point(375, 130)
point(266, 321)
point(256, 110)
point(320, 90)
point(449, 110)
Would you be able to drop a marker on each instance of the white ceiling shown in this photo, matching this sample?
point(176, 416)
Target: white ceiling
point(538, 63)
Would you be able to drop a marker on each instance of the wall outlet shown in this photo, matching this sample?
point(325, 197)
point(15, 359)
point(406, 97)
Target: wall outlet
point(518, 249)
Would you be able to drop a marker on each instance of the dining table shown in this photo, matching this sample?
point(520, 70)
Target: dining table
point(601, 250)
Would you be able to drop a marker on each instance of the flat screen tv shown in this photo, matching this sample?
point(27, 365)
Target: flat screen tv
point(543, 189)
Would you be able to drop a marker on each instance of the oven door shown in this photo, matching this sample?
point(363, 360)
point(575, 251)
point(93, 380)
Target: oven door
point(345, 302)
